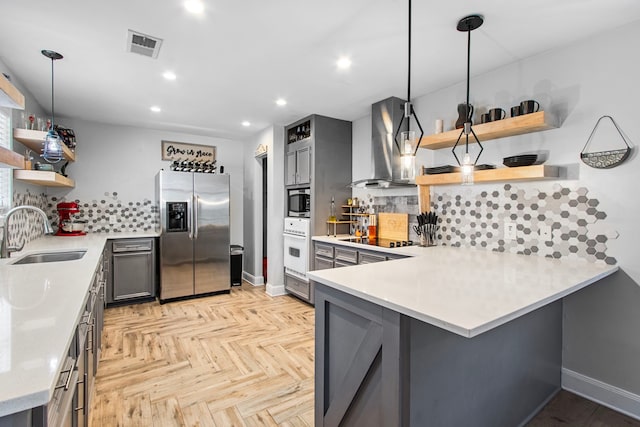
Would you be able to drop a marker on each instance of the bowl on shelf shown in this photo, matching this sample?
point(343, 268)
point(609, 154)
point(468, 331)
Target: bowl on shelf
point(520, 160)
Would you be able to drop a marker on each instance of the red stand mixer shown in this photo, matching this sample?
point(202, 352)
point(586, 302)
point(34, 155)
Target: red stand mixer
point(67, 225)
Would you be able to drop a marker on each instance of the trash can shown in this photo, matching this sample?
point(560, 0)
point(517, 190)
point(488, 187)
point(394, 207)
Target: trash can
point(236, 264)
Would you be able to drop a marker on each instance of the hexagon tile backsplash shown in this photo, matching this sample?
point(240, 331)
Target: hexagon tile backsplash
point(110, 214)
point(552, 220)
point(569, 214)
point(107, 215)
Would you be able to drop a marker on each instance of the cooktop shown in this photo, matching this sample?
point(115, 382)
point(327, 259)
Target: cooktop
point(385, 243)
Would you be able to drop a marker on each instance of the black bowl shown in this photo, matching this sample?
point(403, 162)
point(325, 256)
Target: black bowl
point(520, 160)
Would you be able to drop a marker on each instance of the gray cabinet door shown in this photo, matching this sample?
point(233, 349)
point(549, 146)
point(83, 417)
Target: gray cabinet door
point(370, 258)
point(132, 275)
point(303, 165)
point(322, 263)
point(290, 177)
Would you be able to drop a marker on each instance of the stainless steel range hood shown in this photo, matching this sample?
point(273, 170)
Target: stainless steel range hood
point(386, 116)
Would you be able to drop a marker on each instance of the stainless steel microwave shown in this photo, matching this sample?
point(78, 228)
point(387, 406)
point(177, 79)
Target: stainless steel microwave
point(299, 202)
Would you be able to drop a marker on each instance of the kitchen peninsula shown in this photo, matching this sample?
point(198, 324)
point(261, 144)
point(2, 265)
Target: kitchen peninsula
point(446, 337)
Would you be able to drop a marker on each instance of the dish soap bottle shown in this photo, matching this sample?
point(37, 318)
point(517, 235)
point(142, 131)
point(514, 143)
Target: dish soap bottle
point(332, 211)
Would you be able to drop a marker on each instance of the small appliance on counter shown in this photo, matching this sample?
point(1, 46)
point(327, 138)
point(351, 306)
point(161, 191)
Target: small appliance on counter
point(68, 225)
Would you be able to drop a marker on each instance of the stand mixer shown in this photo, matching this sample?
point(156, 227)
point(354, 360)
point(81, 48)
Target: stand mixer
point(66, 227)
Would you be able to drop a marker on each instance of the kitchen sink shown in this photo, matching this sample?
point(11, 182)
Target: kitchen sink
point(50, 257)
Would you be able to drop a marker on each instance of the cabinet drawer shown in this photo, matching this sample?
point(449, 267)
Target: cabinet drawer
point(324, 250)
point(297, 287)
point(321, 263)
point(338, 264)
point(346, 255)
point(370, 258)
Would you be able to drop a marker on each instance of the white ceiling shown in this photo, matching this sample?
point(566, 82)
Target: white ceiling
point(236, 59)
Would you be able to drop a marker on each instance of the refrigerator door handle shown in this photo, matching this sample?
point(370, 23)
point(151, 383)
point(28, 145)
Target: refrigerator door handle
point(190, 219)
point(196, 203)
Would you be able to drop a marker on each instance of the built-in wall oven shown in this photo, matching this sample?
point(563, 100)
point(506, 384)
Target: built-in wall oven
point(296, 257)
point(299, 202)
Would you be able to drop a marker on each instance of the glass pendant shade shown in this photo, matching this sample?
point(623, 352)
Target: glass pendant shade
point(408, 146)
point(52, 150)
point(466, 168)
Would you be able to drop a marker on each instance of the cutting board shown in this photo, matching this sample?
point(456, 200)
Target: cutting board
point(393, 226)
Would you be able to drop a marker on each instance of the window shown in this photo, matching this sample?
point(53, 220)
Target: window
point(5, 173)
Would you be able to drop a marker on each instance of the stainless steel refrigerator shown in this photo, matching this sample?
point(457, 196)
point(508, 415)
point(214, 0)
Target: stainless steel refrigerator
point(194, 244)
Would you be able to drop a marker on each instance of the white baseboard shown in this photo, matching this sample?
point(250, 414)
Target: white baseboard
point(254, 280)
point(605, 394)
point(275, 290)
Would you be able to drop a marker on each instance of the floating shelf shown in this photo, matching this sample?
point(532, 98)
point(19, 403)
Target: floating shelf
point(522, 173)
point(528, 123)
point(44, 178)
point(10, 159)
point(341, 222)
point(33, 140)
point(355, 214)
point(10, 96)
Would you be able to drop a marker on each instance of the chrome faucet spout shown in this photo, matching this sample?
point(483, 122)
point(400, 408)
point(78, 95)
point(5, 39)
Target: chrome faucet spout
point(5, 249)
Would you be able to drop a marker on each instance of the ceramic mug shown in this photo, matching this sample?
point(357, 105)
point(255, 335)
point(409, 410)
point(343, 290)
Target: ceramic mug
point(516, 111)
point(485, 118)
point(529, 106)
point(496, 114)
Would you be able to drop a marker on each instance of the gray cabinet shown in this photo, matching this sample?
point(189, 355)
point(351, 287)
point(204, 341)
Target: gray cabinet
point(132, 270)
point(370, 257)
point(319, 158)
point(321, 263)
point(298, 166)
point(327, 255)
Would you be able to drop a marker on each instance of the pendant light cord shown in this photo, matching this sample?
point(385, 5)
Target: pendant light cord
point(52, 106)
point(409, 59)
point(466, 147)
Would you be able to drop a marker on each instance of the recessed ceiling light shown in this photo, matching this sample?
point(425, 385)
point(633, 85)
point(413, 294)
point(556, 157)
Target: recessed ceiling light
point(194, 6)
point(246, 123)
point(344, 63)
point(155, 109)
point(169, 75)
point(281, 102)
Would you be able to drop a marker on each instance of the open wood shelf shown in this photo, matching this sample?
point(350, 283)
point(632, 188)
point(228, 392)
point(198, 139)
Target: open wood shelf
point(33, 140)
point(341, 222)
point(10, 96)
point(522, 173)
point(44, 178)
point(10, 159)
point(534, 122)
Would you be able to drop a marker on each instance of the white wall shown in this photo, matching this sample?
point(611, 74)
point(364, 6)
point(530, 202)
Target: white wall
point(126, 160)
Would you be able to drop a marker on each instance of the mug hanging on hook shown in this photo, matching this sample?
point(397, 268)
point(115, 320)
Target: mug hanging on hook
point(605, 159)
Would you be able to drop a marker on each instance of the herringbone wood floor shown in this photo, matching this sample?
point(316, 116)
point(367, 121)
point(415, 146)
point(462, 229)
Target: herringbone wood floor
point(243, 359)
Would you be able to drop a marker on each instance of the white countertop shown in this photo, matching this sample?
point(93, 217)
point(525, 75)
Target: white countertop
point(464, 291)
point(40, 305)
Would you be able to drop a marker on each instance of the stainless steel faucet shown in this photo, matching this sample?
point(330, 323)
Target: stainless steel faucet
point(5, 249)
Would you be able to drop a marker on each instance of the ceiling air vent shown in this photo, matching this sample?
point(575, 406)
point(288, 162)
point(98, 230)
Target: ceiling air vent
point(143, 44)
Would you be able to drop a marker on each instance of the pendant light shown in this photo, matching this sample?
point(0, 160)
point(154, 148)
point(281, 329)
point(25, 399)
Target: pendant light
point(408, 143)
point(52, 148)
point(468, 24)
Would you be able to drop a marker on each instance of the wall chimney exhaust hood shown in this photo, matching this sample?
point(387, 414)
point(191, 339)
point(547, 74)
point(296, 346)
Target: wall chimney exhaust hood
point(386, 116)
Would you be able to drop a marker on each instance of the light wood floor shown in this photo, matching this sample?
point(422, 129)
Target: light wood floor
point(243, 359)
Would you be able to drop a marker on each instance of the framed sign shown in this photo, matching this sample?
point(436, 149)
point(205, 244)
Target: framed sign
point(187, 152)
